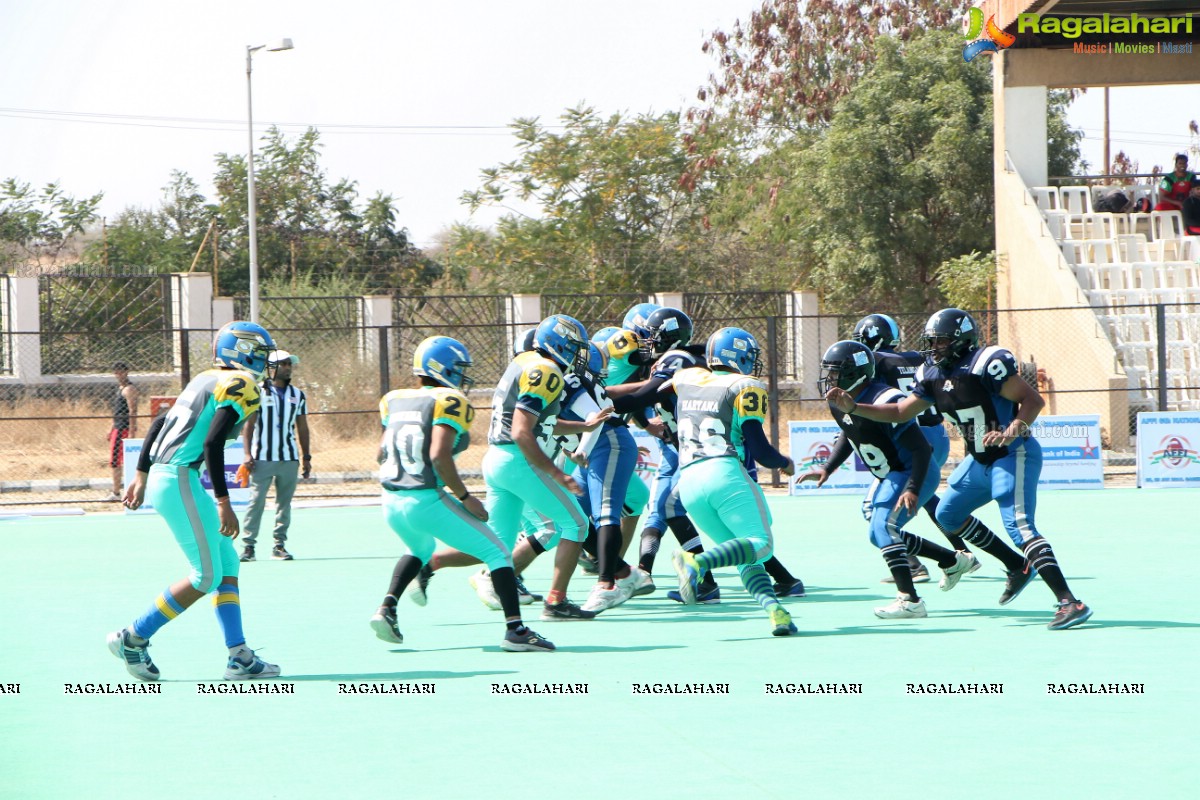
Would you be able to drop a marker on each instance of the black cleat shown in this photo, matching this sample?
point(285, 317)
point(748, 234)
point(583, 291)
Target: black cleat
point(1069, 614)
point(524, 596)
point(384, 625)
point(247, 553)
point(792, 589)
point(1015, 583)
point(279, 553)
point(563, 611)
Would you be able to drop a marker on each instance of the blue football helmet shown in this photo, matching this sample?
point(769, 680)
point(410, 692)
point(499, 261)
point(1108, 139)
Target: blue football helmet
point(597, 366)
point(878, 332)
point(243, 345)
point(846, 365)
point(563, 339)
point(949, 336)
point(604, 334)
point(635, 319)
point(523, 341)
point(445, 360)
point(735, 349)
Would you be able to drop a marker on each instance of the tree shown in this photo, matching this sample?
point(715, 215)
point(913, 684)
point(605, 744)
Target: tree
point(611, 202)
point(36, 227)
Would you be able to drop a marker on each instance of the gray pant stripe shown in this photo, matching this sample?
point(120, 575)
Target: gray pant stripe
point(478, 525)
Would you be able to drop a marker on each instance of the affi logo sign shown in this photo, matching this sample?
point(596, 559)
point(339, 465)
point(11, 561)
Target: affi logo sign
point(1175, 452)
point(984, 38)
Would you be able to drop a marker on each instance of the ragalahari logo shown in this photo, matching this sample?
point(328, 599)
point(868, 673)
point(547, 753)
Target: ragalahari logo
point(1175, 452)
point(984, 38)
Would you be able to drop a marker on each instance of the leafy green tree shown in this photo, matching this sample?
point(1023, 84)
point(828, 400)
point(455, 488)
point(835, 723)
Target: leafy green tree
point(612, 206)
point(36, 227)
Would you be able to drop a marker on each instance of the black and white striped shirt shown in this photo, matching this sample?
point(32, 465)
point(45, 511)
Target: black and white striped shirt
point(275, 431)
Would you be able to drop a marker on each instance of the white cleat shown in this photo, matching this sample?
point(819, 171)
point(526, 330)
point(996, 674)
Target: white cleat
point(481, 582)
point(637, 583)
point(902, 608)
point(602, 598)
point(963, 563)
point(246, 666)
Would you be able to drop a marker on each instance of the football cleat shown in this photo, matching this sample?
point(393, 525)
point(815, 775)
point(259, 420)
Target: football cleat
point(1069, 614)
point(384, 625)
point(781, 621)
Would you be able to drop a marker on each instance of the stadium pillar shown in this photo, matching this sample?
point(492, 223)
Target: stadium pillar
point(22, 327)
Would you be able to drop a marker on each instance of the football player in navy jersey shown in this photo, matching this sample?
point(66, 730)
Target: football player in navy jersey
point(901, 459)
point(980, 390)
point(896, 368)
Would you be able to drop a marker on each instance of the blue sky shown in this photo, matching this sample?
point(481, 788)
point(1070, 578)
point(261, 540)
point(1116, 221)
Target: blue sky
point(411, 97)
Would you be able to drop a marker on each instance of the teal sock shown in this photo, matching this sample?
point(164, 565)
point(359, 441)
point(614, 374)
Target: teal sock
point(164, 609)
point(229, 613)
point(758, 583)
point(727, 554)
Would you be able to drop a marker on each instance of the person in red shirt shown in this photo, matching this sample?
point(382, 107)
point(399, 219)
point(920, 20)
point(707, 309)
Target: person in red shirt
point(1176, 186)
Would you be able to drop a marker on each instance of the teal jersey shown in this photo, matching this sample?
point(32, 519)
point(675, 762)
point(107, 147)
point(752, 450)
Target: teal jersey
point(711, 409)
point(408, 417)
point(181, 440)
point(621, 347)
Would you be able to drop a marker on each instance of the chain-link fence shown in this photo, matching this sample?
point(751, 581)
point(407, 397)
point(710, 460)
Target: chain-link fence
point(54, 426)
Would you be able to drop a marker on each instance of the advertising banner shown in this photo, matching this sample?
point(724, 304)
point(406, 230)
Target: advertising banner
point(1070, 452)
point(234, 453)
point(811, 443)
point(1168, 449)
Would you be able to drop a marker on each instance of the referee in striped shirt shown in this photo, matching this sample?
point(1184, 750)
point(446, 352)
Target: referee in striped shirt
point(272, 454)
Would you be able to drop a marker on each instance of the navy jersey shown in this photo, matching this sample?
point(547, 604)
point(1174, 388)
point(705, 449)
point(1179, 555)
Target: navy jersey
point(664, 369)
point(969, 394)
point(900, 370)
point(877, 443)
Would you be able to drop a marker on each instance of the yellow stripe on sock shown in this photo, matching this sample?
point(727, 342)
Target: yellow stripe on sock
point(224, 598)
point(165, 608)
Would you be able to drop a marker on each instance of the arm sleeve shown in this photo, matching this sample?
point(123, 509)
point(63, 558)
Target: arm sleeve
point(838, 455)
point(759, 448)
point(649, 394)
point(915, 441)
point(148, 442)
point(584, 405)
point(214, 448)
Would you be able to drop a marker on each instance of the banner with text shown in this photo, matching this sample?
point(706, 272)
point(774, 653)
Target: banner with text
point(1167, 455)
point(649, 455)
point(811, 444)
point(234, 453)
point(1070, 452)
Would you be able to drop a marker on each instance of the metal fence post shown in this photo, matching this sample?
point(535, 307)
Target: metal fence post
point(185, 358)
point(1160, 333)
point(773, 387)
point(385, 379)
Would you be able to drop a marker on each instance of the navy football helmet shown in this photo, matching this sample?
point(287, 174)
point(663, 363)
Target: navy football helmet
point(847, 365)
point(950, 335)
point(668, 328)
point(878, 332)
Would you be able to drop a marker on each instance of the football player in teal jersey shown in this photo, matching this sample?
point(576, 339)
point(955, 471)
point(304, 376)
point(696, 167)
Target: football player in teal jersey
point(424, 429)
point(209, 413)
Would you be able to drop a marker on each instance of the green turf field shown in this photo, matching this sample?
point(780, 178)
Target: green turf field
point(1128, 553)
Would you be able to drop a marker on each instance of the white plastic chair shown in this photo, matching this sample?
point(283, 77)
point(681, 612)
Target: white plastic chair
point(1133, 247)
point(1058, 224)
point(1046, 198)
point(1166, 228)
point(1075, 199)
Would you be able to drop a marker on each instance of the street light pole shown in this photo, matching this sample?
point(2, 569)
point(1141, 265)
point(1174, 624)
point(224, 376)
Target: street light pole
point(283, 44)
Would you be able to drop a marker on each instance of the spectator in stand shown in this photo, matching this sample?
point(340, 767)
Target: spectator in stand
point(124, 426)
point(1191, 212)
point(1176, 186)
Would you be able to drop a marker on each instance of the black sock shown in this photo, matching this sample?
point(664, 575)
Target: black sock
point(405, 570)
point(778, 572)
point(589, 544)
point(956, 541)
point(982, 537)
point(648, 549)
point(924, 548)
point(686, 534)
point(609, 552)
point(1041, 557)
point(896, 558)
point(504, 581)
